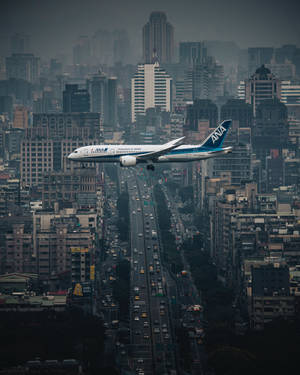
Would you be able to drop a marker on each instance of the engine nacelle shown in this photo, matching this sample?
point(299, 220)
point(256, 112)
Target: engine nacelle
point(127, 161)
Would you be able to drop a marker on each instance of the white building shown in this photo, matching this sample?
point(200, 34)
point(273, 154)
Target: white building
point(290, 93)
point(151, 87)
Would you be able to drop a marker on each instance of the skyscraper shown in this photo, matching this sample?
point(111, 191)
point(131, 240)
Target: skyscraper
point(103, 92)
point(82, 50)
point(23, 66)
point(151, 87)
point(121, 46)
point(192, 52)
point(238, 111)
point(207, 79)
point(158, 39)
point(261, 86)
point(201, 109)
point(258, 56)
point(75, 99)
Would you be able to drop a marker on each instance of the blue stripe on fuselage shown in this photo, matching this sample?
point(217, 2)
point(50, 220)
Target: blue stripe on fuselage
point(172, 152)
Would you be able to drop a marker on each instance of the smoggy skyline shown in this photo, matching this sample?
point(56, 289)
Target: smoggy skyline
point(55, 25)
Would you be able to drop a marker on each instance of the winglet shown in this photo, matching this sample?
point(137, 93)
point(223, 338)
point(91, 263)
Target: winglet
point(216, 138)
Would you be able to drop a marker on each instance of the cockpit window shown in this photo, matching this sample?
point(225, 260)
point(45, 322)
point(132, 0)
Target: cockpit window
point(75, 152)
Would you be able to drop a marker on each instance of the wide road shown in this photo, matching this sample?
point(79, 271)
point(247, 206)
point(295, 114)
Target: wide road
point(152, 348)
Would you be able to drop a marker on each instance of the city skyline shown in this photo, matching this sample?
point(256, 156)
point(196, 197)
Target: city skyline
point(54, 27)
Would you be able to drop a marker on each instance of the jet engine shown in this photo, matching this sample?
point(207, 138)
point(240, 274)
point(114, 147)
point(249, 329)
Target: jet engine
point(127, 161)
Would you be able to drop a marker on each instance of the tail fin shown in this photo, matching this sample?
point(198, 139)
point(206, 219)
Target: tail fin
point(216, 138)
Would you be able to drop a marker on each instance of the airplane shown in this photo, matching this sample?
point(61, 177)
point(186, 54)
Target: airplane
point(173, 151)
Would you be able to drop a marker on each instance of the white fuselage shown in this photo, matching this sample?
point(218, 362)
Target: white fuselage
point(112, 153)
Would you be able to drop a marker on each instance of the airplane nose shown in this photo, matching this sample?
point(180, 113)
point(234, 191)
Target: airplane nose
point(70, 156)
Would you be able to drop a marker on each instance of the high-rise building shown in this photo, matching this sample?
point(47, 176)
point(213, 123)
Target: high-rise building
point(50, 139)
point(270, 137)
point(68, 188)
point(192, 53)
point(271, 126)
point(82, 50)
point(158, 39)
point(75, 99)
point(151, 87)
point(285, 53)
point(110, 119)
point(19, 89)
point(121, 46)
point(258, 56)
point(201, 109)
point(20, 43)
point(24, 66)
point(103, 93)
point(103, 47)
point(97, 86)
point(238, 111)
point(284, 71)
point(59, 235)
point(261, 86)
point(208, 80)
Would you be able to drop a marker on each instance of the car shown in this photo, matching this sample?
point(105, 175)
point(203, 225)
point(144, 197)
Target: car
point(142, 271)
point(136, 318)
point(156, 330)
point(144, 315)
point(140, 234)
point(137, 298)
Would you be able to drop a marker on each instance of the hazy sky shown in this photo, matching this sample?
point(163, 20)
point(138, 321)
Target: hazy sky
point(55, 24)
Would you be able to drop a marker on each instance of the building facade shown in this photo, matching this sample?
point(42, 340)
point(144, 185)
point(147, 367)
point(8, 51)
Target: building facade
point(75, 99)
point(151, 87)
point(261, 86)
point(23, 66)
point(52, 137)
point(158, 39)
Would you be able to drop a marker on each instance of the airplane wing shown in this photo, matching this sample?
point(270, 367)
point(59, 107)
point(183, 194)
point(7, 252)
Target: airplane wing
point(163, 150)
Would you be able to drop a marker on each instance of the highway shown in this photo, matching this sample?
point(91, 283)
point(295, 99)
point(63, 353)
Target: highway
point(151, 335)
point(159, 300)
